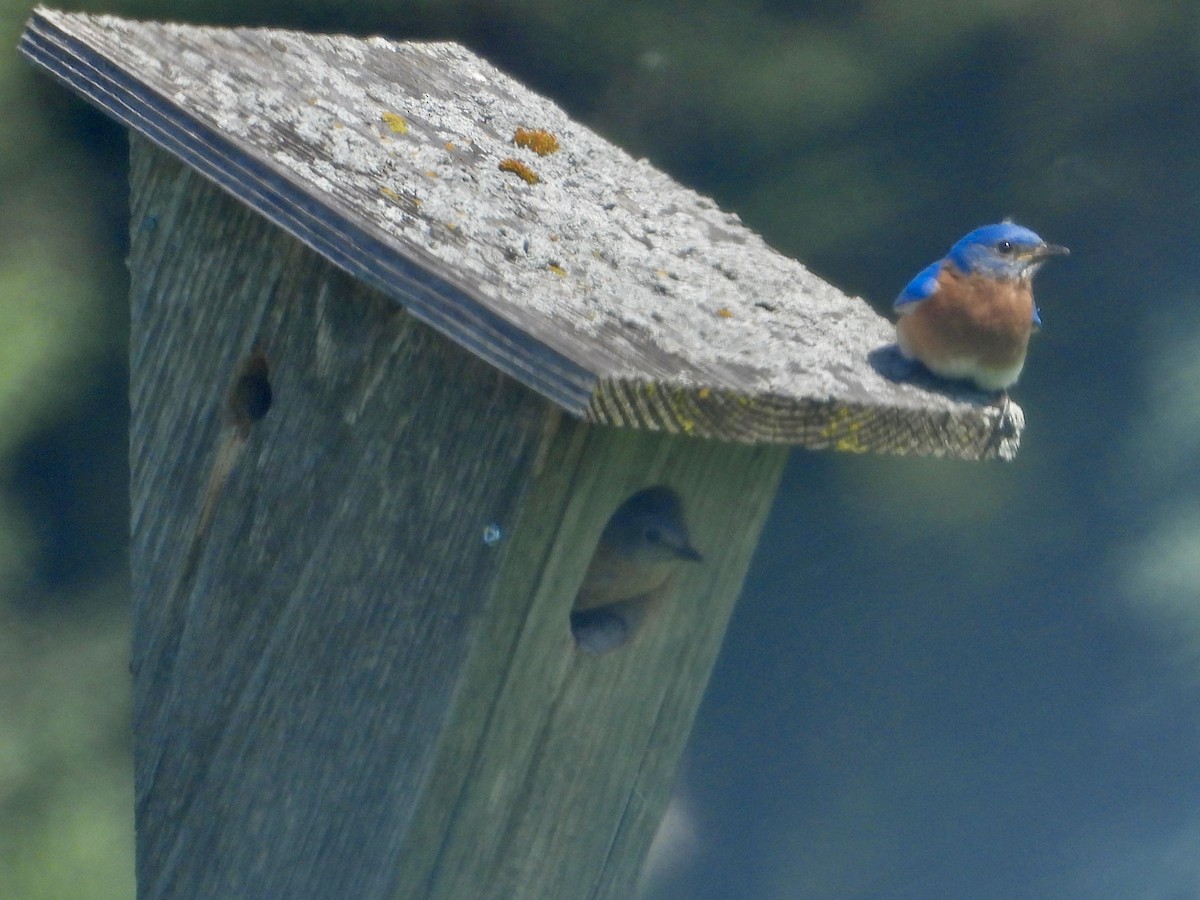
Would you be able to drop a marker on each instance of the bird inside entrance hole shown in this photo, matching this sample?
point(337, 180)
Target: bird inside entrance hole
point(641, 549)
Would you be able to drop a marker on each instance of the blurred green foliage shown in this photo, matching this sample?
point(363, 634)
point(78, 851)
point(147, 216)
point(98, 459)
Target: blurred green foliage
point(860, 137)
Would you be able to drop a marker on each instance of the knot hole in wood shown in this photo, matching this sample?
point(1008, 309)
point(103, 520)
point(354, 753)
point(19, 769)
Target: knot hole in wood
point(249, 397)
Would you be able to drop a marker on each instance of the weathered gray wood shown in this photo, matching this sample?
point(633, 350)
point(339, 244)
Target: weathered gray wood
point(291, 671)
point(342, 687)
point(356, 542)
point(572, 757)
point(607, 287)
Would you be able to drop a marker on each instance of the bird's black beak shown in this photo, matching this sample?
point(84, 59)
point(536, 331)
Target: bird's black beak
point(1045, 251)
point(690, 553)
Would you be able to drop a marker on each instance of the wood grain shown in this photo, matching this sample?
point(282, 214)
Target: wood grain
point(357, 678)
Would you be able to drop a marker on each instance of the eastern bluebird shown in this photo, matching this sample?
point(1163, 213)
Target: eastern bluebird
point(638, 554)
point(969, 316)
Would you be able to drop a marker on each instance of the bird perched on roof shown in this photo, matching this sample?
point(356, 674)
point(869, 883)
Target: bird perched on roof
point(636, 558)
point(969, 316)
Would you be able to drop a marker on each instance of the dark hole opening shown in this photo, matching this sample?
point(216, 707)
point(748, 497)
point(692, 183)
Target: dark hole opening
point(633, 568)
point(250, 396)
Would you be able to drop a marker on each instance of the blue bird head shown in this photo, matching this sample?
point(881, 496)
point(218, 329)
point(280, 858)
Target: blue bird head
point(1005, 251)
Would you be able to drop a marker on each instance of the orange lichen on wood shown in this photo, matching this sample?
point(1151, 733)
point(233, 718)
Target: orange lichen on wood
point(541, 142)
point(519, 169)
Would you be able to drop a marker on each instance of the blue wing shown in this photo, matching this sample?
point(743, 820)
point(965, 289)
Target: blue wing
point(1037, 319)
point(919, 288)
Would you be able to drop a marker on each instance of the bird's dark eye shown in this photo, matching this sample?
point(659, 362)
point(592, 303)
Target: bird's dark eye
point(652, 535)
point(1005, 247)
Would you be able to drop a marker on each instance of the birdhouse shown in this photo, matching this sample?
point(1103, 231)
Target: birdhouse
point(411, 352)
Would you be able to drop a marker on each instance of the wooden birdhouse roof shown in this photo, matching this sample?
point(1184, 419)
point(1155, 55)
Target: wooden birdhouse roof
point(587, 275)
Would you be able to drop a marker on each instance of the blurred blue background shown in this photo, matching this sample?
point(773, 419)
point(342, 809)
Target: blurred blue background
point(944, 679)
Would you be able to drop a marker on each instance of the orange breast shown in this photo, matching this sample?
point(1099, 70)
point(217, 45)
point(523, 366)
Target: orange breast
point(972, 318)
